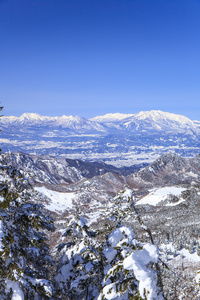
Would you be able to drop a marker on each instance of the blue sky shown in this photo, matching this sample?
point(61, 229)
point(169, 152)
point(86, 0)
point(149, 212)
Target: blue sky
point(91, 57)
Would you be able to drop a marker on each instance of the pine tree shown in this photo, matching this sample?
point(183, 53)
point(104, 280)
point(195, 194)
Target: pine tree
point(120, 268)
point(80, 270)
point(120, 281)
point(129, 272)
point(24, 254)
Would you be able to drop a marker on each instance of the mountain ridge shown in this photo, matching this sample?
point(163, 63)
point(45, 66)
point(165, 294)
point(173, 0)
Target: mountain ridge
point(153, 114)
point(145, 120)
point(118, 139)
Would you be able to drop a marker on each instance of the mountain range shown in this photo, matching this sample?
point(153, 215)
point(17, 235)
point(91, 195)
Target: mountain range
point(117, 139)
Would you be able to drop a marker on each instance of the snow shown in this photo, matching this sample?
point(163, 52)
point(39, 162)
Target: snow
point(43, 283)
point(157, 120)
point(157, 116)
point(1, 235)
point(161, 194)
point(169, 247)
point(184, 253)
point(175, 203)
point(128, 195)
point(193, 174)
point(72, 122)
point(93, 217)
point(197, 278)
point(111, 117)
point(138, 262)
point(17, 292)
point(67, 271)
point(189, 256)
point(5, 141)
point(88, 267)
point(109, 253)
point(111, 293)
point(114, 240)
point(58, 201)
point(118, 234)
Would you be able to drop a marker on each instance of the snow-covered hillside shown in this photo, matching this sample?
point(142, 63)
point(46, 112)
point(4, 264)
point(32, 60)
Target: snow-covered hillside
point(111, 120)
point(158, 120)
point(115, 236)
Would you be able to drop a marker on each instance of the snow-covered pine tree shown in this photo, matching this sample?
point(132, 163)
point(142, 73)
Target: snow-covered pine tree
point(129, 272)
point(124, 282)
point(80, 270)
point(119, 208)
point(24, 254)
point(124, 268)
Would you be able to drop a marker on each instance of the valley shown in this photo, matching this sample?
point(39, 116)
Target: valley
point(138, 172)
point(167, 199)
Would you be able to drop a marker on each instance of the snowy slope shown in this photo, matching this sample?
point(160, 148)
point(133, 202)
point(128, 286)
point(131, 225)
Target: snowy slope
point(159, 120)
point(58, 201)
point(76, 123)
point(146, 120)
point(158, 196)
point(108, 118)
point(33, 119)
point(24, 119)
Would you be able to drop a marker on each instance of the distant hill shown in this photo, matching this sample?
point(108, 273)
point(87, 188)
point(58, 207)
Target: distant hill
point(117, 139)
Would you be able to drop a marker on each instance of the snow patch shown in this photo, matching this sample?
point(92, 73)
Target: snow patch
point(1, 235)
point(17, 292)
point(184, 253)
point(58, 201)
point(111, 117)
point(161, 194)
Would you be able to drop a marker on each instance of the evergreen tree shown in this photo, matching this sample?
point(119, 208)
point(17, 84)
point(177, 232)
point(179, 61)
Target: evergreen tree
point(80, 270)
point(129, 270)
point(24, 254)
point(120, 268)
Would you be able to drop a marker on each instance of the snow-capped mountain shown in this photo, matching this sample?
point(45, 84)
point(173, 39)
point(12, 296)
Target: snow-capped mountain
point(147, 120)
point(118, 139)
point(158, 116)
point(76, 123)
point(111, 119)
point(68, 122)
point(158, 120)
point(30, 119)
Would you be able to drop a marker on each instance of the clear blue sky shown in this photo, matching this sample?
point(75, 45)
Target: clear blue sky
point(91, 57)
